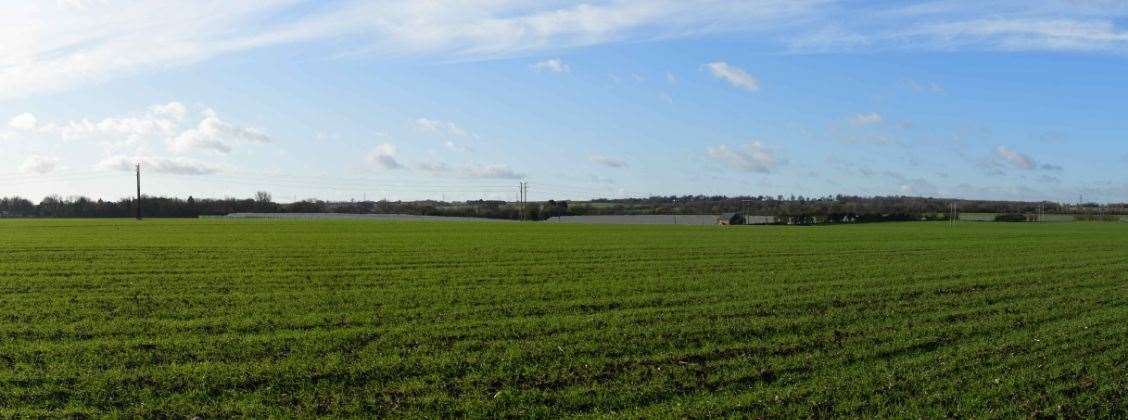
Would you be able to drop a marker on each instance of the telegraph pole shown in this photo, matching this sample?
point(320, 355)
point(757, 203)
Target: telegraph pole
point(521, 191)
point(138, 191)
point(524, 200)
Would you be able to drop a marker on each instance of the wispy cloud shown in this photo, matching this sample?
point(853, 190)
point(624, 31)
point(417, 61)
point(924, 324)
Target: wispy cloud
point(1005, 25)
point(867, 119)
point(433, 167)
point(457, 147)
point(753, 157)
point(54, 46)
point(554, 65)
point(469, 170)
point(734, 75)
point(174, 166)
point(490, 171)
point(1022, 161)
point(918, 186)
point(924, 87)
point(437, 126)
point(1052, 137)
point(458, 136)
point(608, 161)
point(1020, 33)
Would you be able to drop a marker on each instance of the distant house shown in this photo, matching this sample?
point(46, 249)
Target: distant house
point(730, 219)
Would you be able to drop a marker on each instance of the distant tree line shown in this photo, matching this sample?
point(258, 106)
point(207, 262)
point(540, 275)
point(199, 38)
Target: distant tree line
point(83, 207)
point(800, 210)
point(835, 209)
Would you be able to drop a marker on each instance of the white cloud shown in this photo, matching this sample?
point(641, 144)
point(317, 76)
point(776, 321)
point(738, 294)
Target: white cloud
point(214, 126)
point(496, 171)
point(671, 78)
point(1022, 161)
point(214, 134)
point(174, 166)
point(125, 130)
point(176, 110)
point(196, 140)
point(384, 156)
point(39, 164)
point(25, 121)
point(734, 75)
point(554, 65)
point(867, 119)
point(129, 126)
point(133, 133)
point(608, 161)
point(753, 157)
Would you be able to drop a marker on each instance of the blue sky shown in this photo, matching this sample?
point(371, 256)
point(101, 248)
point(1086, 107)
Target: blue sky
point(462, 100)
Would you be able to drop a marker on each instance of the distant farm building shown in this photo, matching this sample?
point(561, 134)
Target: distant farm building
point(730, 219)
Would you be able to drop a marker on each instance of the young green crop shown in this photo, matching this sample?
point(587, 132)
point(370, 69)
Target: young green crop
point(359, 318)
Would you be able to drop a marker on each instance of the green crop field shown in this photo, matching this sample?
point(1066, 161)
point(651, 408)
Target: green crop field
point(360, 318)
